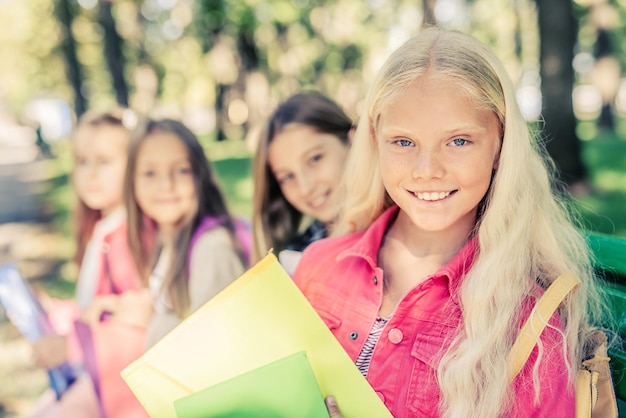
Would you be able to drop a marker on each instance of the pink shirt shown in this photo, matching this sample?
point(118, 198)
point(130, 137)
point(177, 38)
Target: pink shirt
point(117, 268)
point(341, 279)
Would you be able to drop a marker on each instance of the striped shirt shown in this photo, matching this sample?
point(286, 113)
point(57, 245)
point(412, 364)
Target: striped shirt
point(365, 356)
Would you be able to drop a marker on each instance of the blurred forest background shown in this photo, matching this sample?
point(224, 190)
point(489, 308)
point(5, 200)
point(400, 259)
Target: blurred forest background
point(223, 65)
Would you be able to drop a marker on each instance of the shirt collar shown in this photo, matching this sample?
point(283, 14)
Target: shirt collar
point(367, 246)
point(110, 222)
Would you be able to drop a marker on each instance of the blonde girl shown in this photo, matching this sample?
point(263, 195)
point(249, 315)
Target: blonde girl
point(100, 147)
point(182, 236)
point(299, 160)
point(106, 270)
point(453, 232)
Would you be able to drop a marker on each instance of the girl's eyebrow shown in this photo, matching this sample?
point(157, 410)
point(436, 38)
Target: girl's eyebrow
point(305, 154)
point(396, 130)
point(315, 148)
point(400, 130)
point(173, 162)
point(467, 128)
point(280, 171)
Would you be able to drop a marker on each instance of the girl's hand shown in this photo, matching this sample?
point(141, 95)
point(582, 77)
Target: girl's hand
point(333, 409)
point(134, 308)
point(50, 351)
point(101, 305)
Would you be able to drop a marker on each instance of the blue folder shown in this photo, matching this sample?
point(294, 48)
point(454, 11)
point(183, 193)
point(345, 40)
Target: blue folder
point(26, 313)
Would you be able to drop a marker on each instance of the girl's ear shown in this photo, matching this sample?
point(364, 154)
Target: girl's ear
point(351, 134)
point(373, 133)
point(496, 160)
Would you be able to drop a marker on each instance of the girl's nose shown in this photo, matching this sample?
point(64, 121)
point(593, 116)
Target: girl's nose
point(166, 181)
point(428, 165)
point(305, 183)
point(93, 170)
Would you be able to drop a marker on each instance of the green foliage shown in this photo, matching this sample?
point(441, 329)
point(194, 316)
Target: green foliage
point(202, 55)
point(28, 42)
point(603, 206)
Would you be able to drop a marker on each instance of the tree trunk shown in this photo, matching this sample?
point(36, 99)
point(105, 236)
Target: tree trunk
point(557, 31)
point(65, 16)
point(429, 13)
point(113, 52)
point(602, 50)
point(220, 114)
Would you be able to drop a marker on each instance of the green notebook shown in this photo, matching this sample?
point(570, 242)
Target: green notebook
point(285, 388)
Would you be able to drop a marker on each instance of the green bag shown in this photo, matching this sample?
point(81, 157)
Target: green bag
point(285, 388)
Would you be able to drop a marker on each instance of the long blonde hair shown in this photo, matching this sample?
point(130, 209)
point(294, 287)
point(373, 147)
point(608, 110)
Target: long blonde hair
point(525, 233)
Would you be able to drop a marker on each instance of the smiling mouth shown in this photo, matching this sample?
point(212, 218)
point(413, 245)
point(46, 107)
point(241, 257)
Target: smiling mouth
point(319, 201)
point(432, 196)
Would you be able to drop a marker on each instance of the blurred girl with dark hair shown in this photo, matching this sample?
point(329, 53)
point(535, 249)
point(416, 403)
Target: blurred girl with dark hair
point(298, 164)
point(183, 239)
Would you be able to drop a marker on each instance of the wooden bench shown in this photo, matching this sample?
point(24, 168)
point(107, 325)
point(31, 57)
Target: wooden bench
point(610, 262)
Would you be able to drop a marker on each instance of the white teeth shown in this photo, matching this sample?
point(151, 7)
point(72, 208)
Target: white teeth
point(430, 196)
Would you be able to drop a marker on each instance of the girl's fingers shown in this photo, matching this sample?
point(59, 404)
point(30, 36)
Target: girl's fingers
point(333, 409)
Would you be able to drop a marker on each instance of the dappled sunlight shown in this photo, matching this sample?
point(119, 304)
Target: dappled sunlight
point(611, 181)
point(21, 380)
point(41, 252)
point(32, 241)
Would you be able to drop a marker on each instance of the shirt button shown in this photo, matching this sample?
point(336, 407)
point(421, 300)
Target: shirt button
point(395, 336)
point(381, 396)
point(354, 335)
point(375, 280)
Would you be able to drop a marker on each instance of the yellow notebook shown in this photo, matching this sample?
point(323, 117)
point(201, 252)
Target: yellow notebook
point(260, 318)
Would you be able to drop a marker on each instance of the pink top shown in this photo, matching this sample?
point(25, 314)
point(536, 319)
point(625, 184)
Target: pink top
point(111, 345)
point(117, 268)
point(341, 279)
point(107, 266)
point(110, 270)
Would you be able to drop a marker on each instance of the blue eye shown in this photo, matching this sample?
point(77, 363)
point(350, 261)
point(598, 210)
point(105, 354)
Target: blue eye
point(404, 142)
point(459, 142)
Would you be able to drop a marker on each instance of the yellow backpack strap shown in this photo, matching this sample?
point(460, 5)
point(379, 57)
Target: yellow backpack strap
point(537, 321)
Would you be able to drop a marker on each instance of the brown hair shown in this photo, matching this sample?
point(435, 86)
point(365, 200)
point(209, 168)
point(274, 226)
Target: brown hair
point(142, 230)
point(275, 221)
